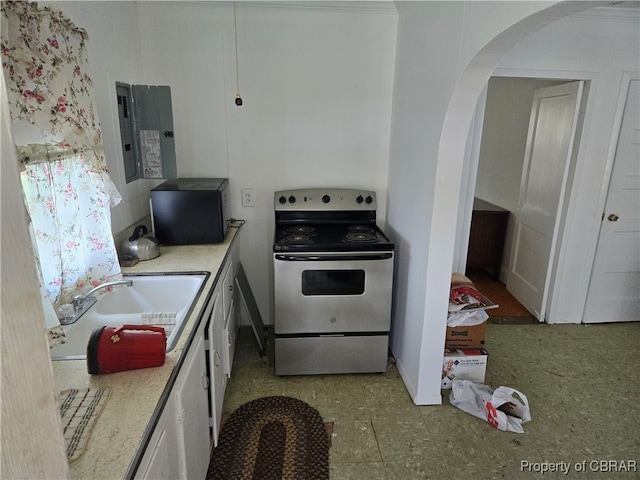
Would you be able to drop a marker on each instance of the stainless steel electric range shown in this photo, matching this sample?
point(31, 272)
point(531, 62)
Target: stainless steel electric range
point(333, 279)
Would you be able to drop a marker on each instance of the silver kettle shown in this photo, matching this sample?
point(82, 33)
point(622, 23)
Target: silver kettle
point(141, 245)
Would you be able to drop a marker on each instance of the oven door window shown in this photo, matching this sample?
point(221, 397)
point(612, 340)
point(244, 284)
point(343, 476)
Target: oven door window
point(332, 282)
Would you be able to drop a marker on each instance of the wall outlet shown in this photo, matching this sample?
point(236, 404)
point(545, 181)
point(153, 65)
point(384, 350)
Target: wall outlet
point(247, 197)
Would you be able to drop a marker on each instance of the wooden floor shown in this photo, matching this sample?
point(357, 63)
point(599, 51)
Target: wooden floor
point(509, 310)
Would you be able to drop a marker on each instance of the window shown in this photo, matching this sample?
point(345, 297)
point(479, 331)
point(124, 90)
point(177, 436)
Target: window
point(67, 188)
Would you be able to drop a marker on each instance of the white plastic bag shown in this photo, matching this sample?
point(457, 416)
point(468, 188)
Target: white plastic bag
point(467, 319)
point(504, 408)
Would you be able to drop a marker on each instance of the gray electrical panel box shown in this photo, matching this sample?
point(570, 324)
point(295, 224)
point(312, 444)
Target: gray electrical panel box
point(146, 131)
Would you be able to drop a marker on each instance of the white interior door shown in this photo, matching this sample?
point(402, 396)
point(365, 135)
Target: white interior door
point(614, 288)
point(552, 126)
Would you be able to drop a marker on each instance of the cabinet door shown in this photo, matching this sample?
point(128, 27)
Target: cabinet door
point(192, 413)
point(160, 460)
point(231, 334)
point(227, 288)
point(230, 325)
point(217, 342)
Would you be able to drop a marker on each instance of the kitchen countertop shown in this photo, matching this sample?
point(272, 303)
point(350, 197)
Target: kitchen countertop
point(134, 394)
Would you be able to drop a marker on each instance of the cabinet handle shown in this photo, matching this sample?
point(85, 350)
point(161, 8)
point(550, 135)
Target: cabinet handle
point(216, 359)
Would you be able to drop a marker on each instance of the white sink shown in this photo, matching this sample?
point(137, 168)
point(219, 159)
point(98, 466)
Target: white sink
point(169, 297)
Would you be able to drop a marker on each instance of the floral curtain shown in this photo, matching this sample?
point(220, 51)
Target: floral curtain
point(67, 188)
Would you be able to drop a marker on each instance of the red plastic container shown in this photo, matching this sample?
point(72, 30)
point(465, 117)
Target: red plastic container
point(129, 347)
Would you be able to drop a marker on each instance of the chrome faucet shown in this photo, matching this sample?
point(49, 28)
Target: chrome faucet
point(82, 303)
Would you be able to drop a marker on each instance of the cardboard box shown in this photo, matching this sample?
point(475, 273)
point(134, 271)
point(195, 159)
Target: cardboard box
point(464, 364)
point(465, 336)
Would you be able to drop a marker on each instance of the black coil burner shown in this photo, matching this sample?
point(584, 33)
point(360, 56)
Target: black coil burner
point(301, 230)
point(360, 229)
point(360, 234)
point(298, 240)
point(360, 237)
point(299, 235)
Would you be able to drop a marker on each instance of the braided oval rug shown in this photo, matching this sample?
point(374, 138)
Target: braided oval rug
point(272, 438)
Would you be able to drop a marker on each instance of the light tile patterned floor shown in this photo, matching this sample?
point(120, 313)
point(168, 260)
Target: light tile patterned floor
point(582, 381)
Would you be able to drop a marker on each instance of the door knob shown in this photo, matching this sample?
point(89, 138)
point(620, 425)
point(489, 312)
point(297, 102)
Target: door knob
point(613, 217)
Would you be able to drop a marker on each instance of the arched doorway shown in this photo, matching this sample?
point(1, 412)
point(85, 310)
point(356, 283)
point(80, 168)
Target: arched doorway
point(454, 149)
point(451, 161)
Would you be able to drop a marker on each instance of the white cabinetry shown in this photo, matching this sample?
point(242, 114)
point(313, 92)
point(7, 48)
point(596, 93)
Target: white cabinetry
point(230, 330)
point(159, 461)
point(221, 332)
point(214, 334)
point(190, 393)
point(231, 335)
point(180, 444)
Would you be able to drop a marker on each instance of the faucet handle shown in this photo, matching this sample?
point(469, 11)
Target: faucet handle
point(77, 301)
point(65, 313)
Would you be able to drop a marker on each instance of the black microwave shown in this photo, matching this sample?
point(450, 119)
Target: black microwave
point(190, 211)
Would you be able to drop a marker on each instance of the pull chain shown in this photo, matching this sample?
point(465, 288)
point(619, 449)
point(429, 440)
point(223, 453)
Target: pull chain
point(235, 33)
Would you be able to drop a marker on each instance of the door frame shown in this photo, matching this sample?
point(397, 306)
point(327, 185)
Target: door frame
point(468, 184)
point(558, 268)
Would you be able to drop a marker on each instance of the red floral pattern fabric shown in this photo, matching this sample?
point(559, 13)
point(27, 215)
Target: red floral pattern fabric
point(67, 188)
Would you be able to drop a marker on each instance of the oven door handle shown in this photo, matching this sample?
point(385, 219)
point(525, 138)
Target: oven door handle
point(328, 258)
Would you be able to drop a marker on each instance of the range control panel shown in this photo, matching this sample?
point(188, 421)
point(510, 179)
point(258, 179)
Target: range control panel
point(324, 199)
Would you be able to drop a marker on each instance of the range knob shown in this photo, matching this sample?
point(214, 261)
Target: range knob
point(326, 199)
point(359, 199)
point(369, 199)
point(282, 199)
point(292, 199)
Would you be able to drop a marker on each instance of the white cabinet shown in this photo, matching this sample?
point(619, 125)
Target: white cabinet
point(160, 460)
point(191, 401)
point(221, 329)
point(214, 334)
point(231, 336)
point(227, 286)
point(181, 441)
point(180, 444)
point(230, 325)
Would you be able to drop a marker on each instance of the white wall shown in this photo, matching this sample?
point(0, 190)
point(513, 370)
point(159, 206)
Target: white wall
point(29, 399)
point(425, 223)
point(114, 56)
point(504, 137)
point(317, 86)
point(423, 193)
point(316, 80)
